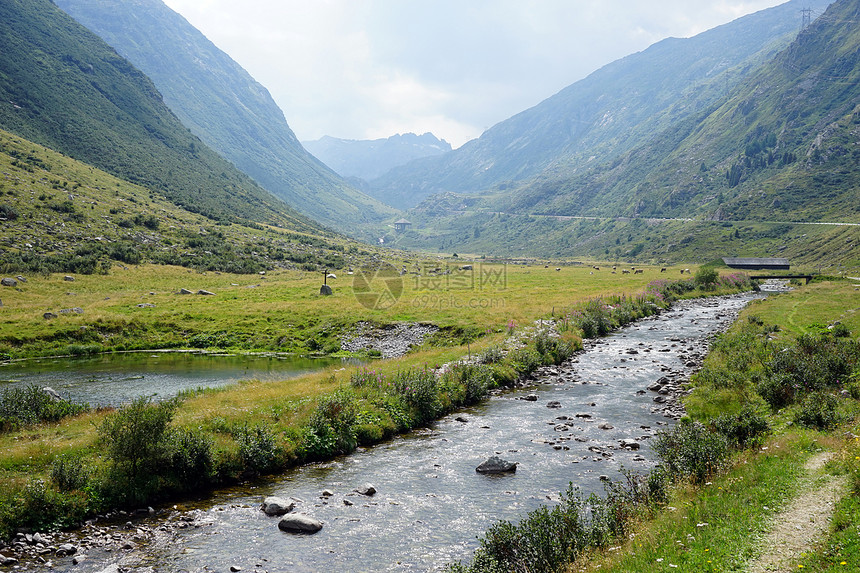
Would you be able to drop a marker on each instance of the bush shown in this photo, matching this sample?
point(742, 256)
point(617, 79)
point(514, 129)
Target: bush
point(136, 439)
point(819, 410)
point(69, 473)
point(257, 449)
point(690, 450)
point(334, 422)
point(468, 382)
point(778, 390)
point(742, 429)
point(706, 278)
point(524, 360)
point(492, 355)
point(31, 405)
point(418, 388)
point(191, 462)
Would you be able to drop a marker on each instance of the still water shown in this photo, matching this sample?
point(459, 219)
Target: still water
point(113, 379)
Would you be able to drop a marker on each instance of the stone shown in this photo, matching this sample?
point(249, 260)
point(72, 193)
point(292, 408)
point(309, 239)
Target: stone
point(78, 559)
point(21, 279)
point(531, 398)
point(630, 444)
point(69, 278)
point(274, 505)
point(55, 396)
point(235, 568)
point(496, 465)
point(9, 282)
point(300, 523)
point(327, 493)
point(8, 560)
point(606, 426)
point(49, 316)
point(366, 489)
point(184, 291)
point(205, 292)
point(553, 404)
point(325, 290)
point(66, 549)
point(347, 503)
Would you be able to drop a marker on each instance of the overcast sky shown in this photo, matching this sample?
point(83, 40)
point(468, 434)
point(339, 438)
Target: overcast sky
point(366, 69)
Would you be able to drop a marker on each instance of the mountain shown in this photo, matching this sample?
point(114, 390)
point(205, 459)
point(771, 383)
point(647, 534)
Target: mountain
point(606, 114)
point(61, 86)
point(782, 147)
point(60, 215)
point(368, 159)
point(224, 106)
point(772, 169)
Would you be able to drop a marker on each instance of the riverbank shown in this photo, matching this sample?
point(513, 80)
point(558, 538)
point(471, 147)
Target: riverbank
point(731, 521)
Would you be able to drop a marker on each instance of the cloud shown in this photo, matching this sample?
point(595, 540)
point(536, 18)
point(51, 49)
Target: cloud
point(370, 68)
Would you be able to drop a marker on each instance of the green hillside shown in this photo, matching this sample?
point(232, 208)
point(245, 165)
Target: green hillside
point(60, 215)
point(612, 111)
point(223, 105)
point(63, 87)
point(783, 147)
point(736, 179)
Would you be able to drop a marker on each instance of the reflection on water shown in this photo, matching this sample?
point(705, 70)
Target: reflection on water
point(112, 379)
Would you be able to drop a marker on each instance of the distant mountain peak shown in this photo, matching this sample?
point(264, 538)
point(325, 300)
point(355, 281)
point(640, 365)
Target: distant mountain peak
point(369, 158)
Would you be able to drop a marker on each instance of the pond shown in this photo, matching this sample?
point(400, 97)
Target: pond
point(113, 379)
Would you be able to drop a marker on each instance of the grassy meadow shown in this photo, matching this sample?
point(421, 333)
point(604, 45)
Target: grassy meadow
point(282, 310)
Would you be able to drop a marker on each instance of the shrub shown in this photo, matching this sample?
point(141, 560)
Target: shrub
point(524, 360)
point(690, 450)
point(32, 405)
point(706, 278)
point(778, 390)
point(136, 439)
point(819, 410)
point(742, 429)
point(334, 421)
point(69, 473)
point(492, 355)
point(469, 382)
point(257, 449)
point(418, 388)
point(191, 462)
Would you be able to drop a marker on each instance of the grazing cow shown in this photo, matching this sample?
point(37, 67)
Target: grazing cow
point(638, 272)
point(625, 272)
point(557, 268)
point(663, 270)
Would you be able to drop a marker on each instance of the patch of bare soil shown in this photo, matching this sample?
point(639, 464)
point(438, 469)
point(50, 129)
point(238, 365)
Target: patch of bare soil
point(804, 522)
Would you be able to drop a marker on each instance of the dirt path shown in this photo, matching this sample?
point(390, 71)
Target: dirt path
point(804, 522)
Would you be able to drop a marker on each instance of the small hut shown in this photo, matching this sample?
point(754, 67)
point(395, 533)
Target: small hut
point(402, 225)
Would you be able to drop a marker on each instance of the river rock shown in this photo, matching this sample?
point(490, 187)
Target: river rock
point(531, 398)
point(366, 489)
point(66, 549)
point(631, 444)
point(606, 426)
point(300, 523)
point(55, 396)
point(9, 282)
point(496, 465)
point(274, 505)
point(553, 404)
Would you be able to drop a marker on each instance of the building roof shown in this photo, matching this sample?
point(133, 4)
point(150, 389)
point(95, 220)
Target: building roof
point(402, 222)
point(755, 262)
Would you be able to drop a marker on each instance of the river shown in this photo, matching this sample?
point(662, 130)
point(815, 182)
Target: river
point(430, 504)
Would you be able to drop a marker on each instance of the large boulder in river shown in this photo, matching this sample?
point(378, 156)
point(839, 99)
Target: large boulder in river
point(366, 489)
point(299, 523)
point(496, 465)
point(274, 505)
